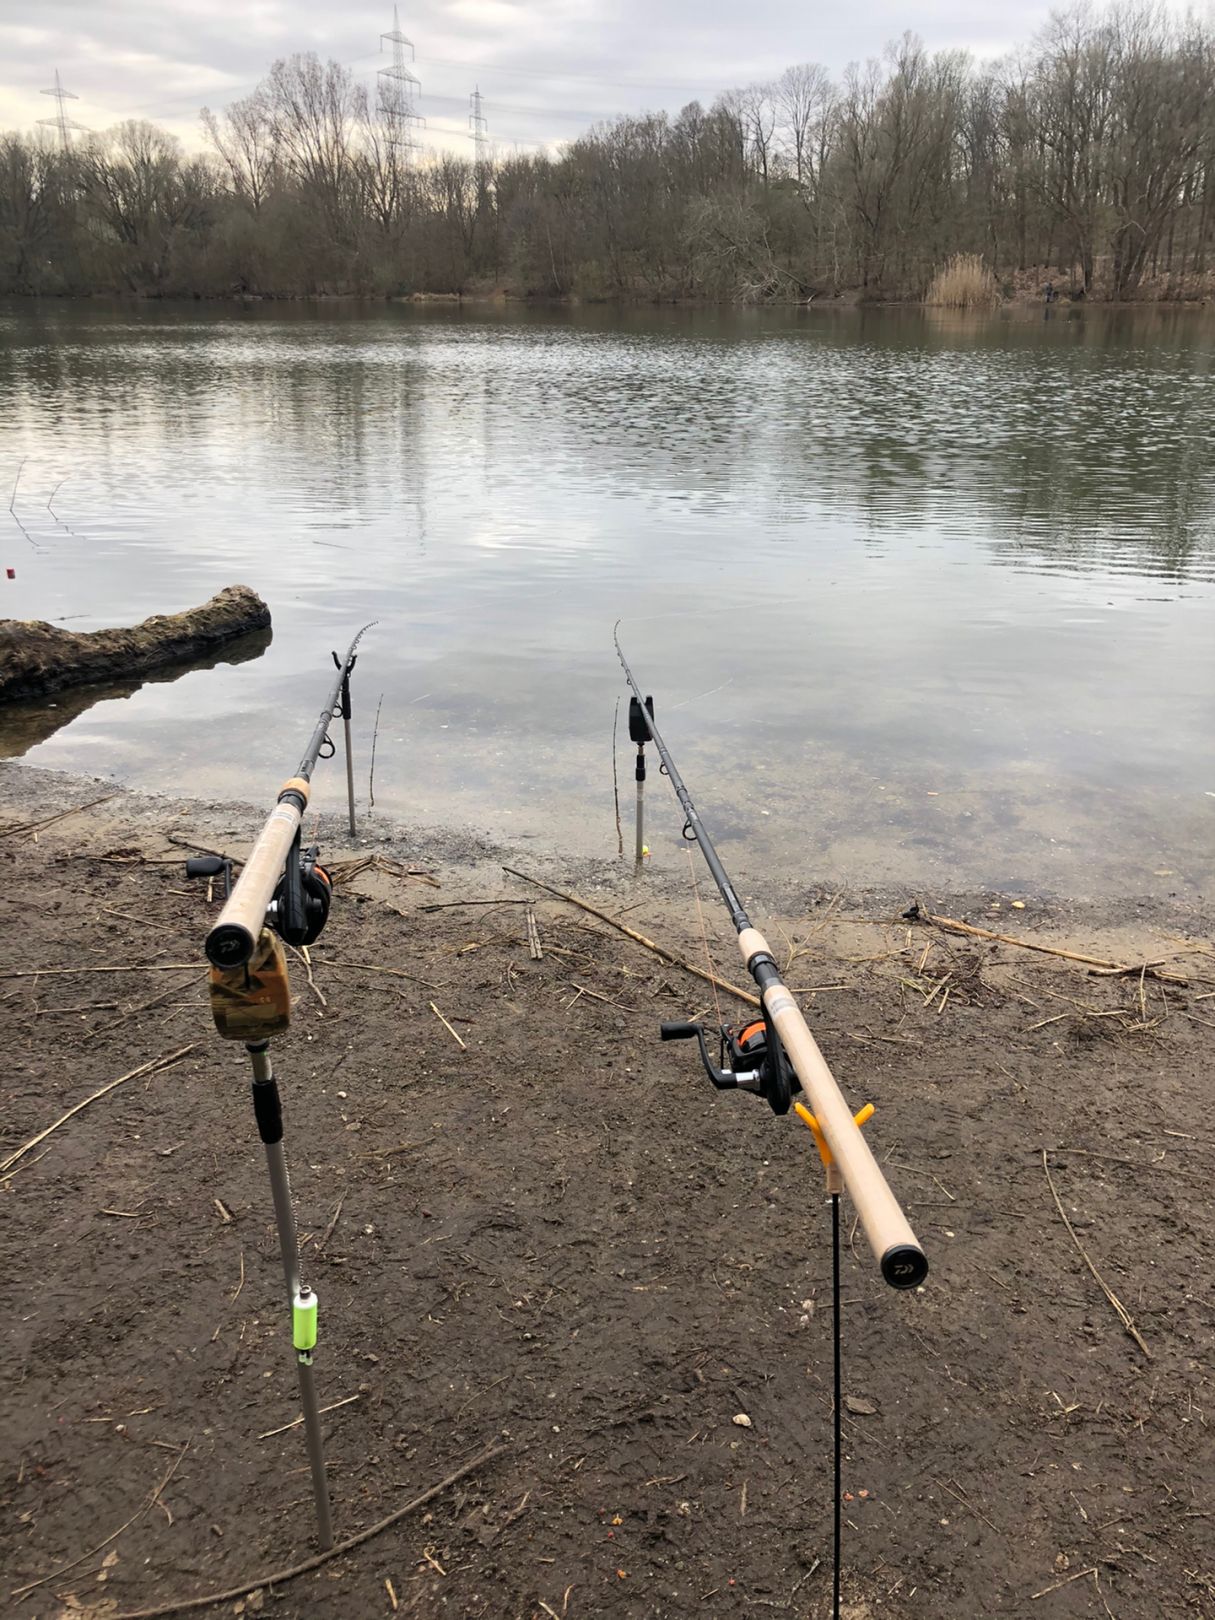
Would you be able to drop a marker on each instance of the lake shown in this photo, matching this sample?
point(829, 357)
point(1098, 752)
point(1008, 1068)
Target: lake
point(926, 600)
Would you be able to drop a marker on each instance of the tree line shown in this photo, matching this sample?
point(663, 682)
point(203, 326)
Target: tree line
point(1090, 156)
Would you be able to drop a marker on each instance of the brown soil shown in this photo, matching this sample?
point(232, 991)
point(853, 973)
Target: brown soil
point(561, 1239)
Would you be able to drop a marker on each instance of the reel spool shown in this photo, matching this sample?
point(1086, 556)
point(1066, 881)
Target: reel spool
point(299, 918)
point(751, 1059)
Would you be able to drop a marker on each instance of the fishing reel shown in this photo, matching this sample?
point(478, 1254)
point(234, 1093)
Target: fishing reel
point(299, 908)
point(750, 1059)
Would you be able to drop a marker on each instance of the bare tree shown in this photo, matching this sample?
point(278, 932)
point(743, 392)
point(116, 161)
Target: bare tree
point(802, 96)
point(247, 143)
point(315, 112)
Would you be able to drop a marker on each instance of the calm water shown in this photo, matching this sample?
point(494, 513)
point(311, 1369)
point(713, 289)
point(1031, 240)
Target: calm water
point(924, 600)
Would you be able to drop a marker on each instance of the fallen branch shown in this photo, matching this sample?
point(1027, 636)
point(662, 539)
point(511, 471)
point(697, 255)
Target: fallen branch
point(328, 1232)
point(535, 950)
point(631, 933)
point(201, 849)
point(113, 1536)
point(131, 1012)
point(151, 1067)
point(448, 905)
point(954, 926)
point(346, 871)
point(1124, 1316)
point(1079, 1575)
point(134, 967)
point(597, 996)
point(279, 1577)
point(312, 984)
point(370, 967)
point(40, 826)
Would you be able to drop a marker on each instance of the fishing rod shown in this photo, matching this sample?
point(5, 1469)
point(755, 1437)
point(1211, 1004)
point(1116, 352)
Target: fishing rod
point(292, 895)
point(774, 1057)
point(282, 894)
point(769, 1056)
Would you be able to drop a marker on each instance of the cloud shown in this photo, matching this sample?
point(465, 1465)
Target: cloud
point(546, 68)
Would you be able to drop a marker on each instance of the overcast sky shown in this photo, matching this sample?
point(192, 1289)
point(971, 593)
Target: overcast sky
point(546, 68)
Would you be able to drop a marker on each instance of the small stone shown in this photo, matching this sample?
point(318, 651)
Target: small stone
point(859, 1405)
point(742, 1420)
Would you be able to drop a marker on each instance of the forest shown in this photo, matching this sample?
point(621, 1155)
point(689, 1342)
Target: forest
point(1088, 157)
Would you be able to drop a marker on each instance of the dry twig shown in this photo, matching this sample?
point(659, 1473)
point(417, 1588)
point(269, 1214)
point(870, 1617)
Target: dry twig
point(658, 950)
point(1153, 969)
point(333, 1220)
point(31, 1586)
point(312, 984)
point(1124, 1316)
point(134, 967)
point(153, 1066)
point(371, 967)
point(296, 1421)
point(447, 1027)
point(280, 1577)
point(36, 827)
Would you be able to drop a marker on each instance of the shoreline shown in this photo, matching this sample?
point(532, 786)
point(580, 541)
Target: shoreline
point(851, 298)
point(467, 857)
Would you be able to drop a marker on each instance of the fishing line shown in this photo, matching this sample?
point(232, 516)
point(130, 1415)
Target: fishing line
point(704, 932)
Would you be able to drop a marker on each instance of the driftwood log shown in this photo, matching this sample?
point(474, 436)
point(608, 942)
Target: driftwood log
point(37, 658)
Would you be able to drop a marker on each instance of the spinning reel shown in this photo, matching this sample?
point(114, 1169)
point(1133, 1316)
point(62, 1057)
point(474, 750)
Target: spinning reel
point(300, 907)
point(749, 1059)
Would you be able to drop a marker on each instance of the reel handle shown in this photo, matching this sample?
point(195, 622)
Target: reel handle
point(678, 1032)
point(211, 866)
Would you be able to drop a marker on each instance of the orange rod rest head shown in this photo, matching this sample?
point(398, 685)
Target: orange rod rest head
point(803, 1113)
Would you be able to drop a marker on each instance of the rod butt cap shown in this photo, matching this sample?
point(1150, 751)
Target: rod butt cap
point(229, 945)
point(904, 1266)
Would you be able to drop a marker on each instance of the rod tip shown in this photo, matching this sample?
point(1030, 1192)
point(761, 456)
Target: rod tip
point(904, 1266)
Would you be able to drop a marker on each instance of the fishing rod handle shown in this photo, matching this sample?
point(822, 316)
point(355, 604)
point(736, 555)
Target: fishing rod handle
point(231, 942)
point(891, 1238)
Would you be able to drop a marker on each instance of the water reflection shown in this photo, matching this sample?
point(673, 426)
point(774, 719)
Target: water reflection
point(24, 725)
point(976, 556)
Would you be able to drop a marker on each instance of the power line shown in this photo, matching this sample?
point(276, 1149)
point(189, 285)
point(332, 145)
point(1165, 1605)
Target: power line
point(581, 78)
point(399, 87)
point(478, 127)
point(61, 121)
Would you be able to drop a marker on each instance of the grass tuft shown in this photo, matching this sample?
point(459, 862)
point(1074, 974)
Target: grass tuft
point(964, 283)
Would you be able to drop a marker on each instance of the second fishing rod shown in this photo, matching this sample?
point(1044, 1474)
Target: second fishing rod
point(761, 1057)
point(282, 895)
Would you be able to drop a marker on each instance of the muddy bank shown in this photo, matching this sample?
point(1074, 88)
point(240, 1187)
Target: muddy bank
point(37, 658)
point(555, 1237)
